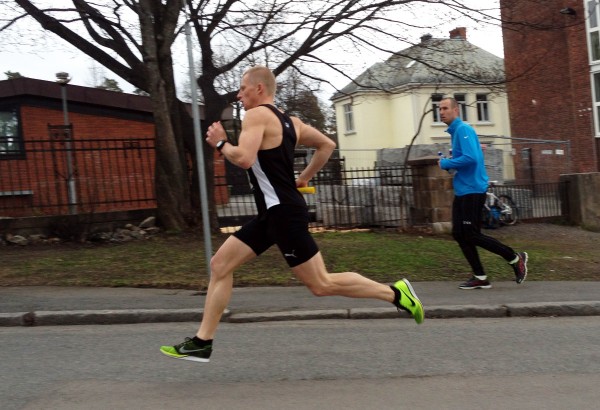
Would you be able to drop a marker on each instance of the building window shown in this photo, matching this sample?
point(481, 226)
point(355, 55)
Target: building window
point(596, 85)
point(461, 99)
point(10, 140)
point(435, 106)
point(349, 117)
point(483, 108)
point(593, 14)
point(593, 30)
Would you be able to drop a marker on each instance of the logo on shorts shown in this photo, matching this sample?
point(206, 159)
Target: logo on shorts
point(290, 255)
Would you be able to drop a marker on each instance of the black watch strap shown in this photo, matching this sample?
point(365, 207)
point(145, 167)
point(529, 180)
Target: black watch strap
point(220, 145)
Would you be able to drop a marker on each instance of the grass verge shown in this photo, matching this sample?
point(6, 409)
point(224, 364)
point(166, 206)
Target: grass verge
point(169, 261)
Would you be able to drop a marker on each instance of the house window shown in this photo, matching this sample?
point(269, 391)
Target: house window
point(596, 85)
point(593, 14)
point(483, 108)
point(593, 30)
point(10, 140)
point(435, 106)
point(461, 99)
point(349, 117)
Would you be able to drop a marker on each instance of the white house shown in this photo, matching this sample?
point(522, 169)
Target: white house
point(392, 101)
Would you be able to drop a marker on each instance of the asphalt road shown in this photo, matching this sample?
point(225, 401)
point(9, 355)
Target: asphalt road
point(515, 363)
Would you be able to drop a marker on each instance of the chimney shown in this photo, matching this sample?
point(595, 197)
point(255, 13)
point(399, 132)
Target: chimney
point(426, 37)
point(459, 33)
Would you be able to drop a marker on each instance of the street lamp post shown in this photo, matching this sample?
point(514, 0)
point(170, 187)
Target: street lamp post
point(199, 150)
point(63, 79)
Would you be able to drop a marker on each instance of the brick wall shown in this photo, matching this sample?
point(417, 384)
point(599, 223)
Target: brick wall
point(108, 174)
point(35, 122)
point(549, 90)
point(111, 177)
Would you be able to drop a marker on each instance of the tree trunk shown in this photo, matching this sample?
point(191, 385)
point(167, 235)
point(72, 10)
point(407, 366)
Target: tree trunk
point(212, 113)
point(172, 180)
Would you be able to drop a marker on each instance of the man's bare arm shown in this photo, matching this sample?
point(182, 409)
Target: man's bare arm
point(313, 138)
point(244, 154)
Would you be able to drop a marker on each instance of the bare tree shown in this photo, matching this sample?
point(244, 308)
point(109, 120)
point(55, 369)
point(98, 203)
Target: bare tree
point(133, 39)
point(12, 74)
point(298, 97)
point(110, 84)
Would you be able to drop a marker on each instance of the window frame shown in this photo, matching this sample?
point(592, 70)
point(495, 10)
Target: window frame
point(18, 151)
point(595, 82)
point(461, 99)
point(483, 107)
point(436, 98)
point(348, 118)
point(592, 26)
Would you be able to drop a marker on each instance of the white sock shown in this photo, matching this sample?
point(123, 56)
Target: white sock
point(481, 277)
point(515, 260)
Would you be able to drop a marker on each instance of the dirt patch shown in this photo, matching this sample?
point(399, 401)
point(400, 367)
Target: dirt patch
point(574, 251)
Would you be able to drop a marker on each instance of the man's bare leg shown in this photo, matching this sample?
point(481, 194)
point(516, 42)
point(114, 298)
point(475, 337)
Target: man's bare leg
point(314, 275)
point(232, 254)
point(350, 284)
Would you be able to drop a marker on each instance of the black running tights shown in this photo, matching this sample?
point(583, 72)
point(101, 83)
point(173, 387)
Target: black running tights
point(466, 230)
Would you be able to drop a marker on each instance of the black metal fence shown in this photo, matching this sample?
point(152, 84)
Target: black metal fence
point(375, 197)
point(536, 201)
point(366, 199)
point(60, 177)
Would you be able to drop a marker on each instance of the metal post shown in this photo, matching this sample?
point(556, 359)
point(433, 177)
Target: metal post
point(63, 79)
point(199, 151)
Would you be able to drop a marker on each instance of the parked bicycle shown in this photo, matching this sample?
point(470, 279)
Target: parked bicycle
point(498, 210)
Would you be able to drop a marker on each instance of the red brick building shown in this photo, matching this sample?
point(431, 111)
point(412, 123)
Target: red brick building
point(102, 162)
point(548, 57)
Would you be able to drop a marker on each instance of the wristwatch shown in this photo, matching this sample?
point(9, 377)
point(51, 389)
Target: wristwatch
point(220, 145)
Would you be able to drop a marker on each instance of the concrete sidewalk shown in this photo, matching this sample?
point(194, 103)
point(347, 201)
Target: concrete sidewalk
point(30, 306)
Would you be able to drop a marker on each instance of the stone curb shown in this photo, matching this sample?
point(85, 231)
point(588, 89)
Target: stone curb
point(101, 317)
point(461, 311)
point(289, 315)
point(591, 308)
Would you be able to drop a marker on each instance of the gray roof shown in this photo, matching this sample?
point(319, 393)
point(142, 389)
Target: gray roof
point(433, 61)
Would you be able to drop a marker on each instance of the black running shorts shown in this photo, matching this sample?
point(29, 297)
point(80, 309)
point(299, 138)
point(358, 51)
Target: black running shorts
point(283, 225)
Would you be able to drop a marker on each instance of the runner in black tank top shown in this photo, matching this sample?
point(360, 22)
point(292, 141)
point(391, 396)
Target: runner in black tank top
point(272, 175)
point(283, 214)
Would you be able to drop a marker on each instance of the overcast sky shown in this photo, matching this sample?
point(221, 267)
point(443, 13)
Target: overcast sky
point(49, 55)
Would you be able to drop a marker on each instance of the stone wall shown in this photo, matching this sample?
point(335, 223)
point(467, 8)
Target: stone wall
point(432, 190)
point(581, 199)
point(77, 226)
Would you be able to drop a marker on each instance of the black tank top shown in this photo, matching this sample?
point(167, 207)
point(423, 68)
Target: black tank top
point(272, 174)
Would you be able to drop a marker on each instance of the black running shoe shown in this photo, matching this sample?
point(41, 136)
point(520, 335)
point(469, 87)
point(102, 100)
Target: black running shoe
point(520, 267)
point(475, 283)
point(188, 351)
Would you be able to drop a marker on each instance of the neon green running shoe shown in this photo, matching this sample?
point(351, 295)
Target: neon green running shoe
point(406, 299)
point(188, 350)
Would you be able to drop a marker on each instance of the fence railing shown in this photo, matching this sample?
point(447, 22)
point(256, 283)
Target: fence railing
point(535, 201)
point(59, 177)
point(118, 174)
point(361, 200)
point(369, 197)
